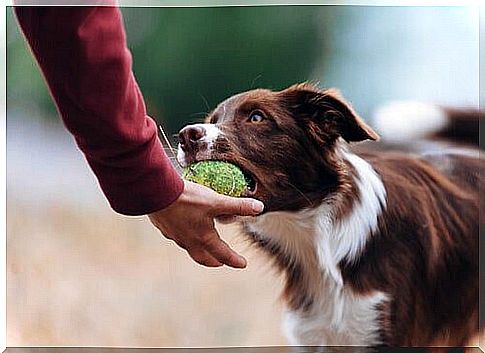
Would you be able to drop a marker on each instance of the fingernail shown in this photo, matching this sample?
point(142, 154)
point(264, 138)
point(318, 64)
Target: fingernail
point(257, 206)
point(242, 262)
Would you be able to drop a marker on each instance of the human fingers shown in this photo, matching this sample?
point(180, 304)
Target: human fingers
point(221, 251)
point(203, 257)
point(234, 206)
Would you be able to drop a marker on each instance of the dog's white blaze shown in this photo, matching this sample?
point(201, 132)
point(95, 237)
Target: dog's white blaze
point(212, 132)
point(319, 243)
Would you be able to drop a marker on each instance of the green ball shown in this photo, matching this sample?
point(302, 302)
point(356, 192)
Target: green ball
point(222, 177)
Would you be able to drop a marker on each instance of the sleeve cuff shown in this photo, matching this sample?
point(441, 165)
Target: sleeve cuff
point(156, 185)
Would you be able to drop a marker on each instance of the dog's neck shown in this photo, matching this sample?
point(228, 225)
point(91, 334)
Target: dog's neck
point(308, 245)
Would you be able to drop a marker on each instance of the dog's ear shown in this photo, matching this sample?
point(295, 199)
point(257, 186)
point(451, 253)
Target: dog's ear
point(327, 114)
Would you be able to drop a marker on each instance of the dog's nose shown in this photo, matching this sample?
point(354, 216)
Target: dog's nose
point(190, 135)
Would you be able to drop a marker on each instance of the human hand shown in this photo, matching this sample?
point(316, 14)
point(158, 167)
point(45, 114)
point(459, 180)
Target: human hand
point(189, 221)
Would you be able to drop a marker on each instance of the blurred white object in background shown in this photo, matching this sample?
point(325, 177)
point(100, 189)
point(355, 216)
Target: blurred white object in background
point(407, 121)
point(378, 54)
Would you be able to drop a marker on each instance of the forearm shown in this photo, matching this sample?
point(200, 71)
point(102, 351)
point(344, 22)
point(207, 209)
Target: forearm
point(84, 58)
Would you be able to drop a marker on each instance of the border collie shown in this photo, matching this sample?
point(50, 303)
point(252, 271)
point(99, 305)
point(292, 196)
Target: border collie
point(377, 247)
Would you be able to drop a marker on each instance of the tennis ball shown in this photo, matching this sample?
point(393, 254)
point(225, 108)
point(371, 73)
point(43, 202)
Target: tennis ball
point(222, 177)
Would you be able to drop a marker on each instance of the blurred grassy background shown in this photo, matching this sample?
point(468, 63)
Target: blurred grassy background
point(78, 274)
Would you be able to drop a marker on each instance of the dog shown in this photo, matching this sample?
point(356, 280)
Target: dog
point(377, 246)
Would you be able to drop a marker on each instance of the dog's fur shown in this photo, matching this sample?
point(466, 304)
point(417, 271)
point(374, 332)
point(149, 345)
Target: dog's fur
point(376, 247)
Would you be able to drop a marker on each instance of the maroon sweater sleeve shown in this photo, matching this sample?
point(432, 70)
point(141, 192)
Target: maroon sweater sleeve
point(84, 58)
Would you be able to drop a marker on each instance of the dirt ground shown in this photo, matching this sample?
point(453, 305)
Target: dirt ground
point(94, 278)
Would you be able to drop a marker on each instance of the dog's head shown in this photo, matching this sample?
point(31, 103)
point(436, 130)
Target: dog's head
point(283, 141)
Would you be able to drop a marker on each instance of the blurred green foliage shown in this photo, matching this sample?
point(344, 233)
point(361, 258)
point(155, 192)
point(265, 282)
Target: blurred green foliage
point(187, 60)
point(25, 85)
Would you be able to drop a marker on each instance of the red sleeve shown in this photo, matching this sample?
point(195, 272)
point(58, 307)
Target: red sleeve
point(83, 55)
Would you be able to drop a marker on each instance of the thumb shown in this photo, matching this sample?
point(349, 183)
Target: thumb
point(227, 205)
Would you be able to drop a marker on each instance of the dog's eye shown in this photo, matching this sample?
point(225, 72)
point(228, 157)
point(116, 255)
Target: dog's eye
point(256, 117)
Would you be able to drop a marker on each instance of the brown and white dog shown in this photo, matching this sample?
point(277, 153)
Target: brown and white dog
point(377, 247)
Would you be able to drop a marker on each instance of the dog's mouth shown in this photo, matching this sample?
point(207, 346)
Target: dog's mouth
point(251, 182)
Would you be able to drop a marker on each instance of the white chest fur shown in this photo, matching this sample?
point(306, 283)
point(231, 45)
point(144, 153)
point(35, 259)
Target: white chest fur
point(318, 241)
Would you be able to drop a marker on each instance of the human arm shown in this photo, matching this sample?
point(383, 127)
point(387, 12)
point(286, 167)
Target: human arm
point(83, 55)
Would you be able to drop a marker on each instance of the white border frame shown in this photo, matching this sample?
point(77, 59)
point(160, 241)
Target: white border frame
point(479, 4)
